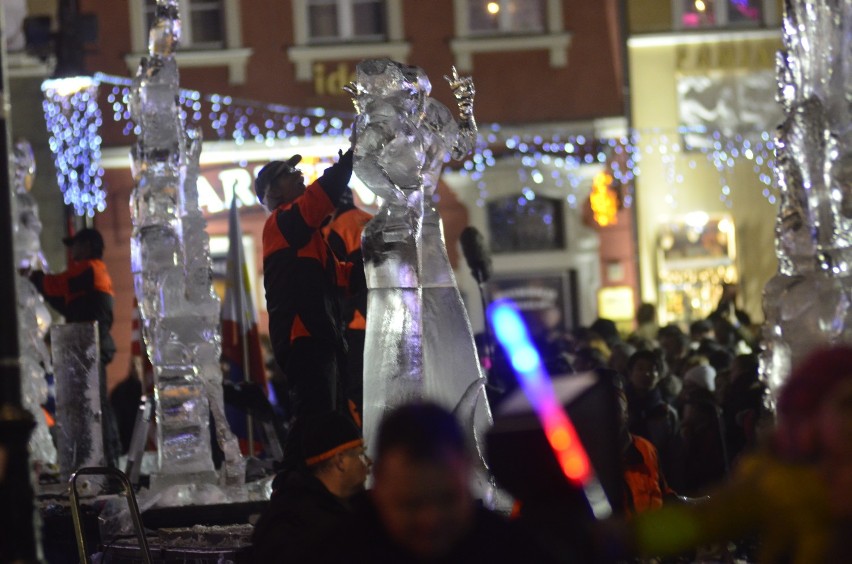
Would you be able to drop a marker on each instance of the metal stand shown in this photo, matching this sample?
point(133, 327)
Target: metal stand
point(131, 502)
point(138, 439)
point(488, 345)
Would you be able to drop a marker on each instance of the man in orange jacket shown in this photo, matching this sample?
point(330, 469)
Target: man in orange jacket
point(304, 283)
point(84, 293)
point(645, 485)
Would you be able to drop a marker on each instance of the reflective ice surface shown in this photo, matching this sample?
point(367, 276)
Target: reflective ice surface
point(76, 361)
point(807, 303)
point(170, 260)
point(33, 316)
point(419, 343)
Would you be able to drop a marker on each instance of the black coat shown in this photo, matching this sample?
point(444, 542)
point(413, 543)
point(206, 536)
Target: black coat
point(361, 538)
point(300, 516)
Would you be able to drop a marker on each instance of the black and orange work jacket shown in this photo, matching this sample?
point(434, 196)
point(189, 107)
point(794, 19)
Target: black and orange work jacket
point(82, 293)
point(304, 281)
point(343, 234)
point(645, 484)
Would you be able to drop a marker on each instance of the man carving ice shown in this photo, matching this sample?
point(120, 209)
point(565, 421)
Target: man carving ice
point(304, 281)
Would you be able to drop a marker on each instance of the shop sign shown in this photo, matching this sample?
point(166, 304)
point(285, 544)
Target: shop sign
point(330, 80)
point(727, 55)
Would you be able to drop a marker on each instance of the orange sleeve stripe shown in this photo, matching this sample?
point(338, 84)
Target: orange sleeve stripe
point(298, 329)
point(273, 240)
point(353, 411)
point(358, 321)
point(48, 417)
point(315, 205)
point(103, 282)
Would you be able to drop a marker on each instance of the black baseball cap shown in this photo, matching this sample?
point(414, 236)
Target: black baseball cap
point(87, 235)
point(326, 434)
point(273, 170)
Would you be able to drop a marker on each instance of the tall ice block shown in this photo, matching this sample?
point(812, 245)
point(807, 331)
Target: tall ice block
point(76, 365)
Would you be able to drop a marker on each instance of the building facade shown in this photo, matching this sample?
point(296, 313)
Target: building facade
point(703, 113)
point(548, 76)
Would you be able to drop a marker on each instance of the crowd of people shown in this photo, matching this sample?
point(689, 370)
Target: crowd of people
point(690, 415)
point(701, 457)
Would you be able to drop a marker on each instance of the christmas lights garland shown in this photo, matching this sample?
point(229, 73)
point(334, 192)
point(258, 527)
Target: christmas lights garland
point(73, 119)
point(559, 156)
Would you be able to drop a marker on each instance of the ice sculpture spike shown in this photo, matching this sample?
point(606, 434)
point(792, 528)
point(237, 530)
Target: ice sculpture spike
point(170, 260)
point(34, 318)
point(464, 92)
point(809, 301)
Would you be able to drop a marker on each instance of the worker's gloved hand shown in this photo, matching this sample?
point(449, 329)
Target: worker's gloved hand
point(338, 174)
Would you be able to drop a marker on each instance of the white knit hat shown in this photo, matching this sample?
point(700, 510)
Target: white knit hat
point(702, 375)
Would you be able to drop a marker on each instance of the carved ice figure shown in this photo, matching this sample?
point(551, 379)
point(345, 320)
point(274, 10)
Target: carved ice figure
point(809, 301)
point(170, 260)
point(419, 342)
point(33, 316)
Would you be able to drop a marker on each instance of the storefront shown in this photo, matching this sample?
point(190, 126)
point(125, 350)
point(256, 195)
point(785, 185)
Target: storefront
point(703, 119)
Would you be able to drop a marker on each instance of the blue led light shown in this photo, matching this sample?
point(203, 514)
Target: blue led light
point(509, 328)
point(73, 118)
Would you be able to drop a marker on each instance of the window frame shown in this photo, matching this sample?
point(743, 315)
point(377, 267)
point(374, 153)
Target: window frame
point(231, 54)
point(553, 38)
point(304, 53)
point(503, 20)
point(186, 24)
point(346, 23)
point(769, 13)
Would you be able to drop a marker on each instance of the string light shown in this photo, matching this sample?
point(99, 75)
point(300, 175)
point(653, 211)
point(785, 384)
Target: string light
point(559, 158)
point(73, 120)
point(230, 118)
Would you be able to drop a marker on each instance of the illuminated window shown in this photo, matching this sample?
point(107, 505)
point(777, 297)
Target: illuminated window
point(202, 23)
point(492, 26)
point(506, 16)
point(690, 14)
point(346, 20)
point(518, 224)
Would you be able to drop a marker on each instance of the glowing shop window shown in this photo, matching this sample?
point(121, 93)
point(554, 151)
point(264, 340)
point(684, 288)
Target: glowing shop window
point(745, 11)
point(717, 13)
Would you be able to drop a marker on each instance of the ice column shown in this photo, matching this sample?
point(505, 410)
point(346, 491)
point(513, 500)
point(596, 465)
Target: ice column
point(170, 260)
point(419, 342)
point(807, 303)
point(33, 316)
point(76, 358)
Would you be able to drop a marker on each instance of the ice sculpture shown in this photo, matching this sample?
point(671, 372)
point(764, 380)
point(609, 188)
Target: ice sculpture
point(419, 342)
point(33, 316)
point(76, 356)
point(170, 260)
point(807, 303)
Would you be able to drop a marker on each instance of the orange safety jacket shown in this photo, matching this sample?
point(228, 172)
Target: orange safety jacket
point(82, 293)
point(304, 281)
point(343, 234)
point(645, 483)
